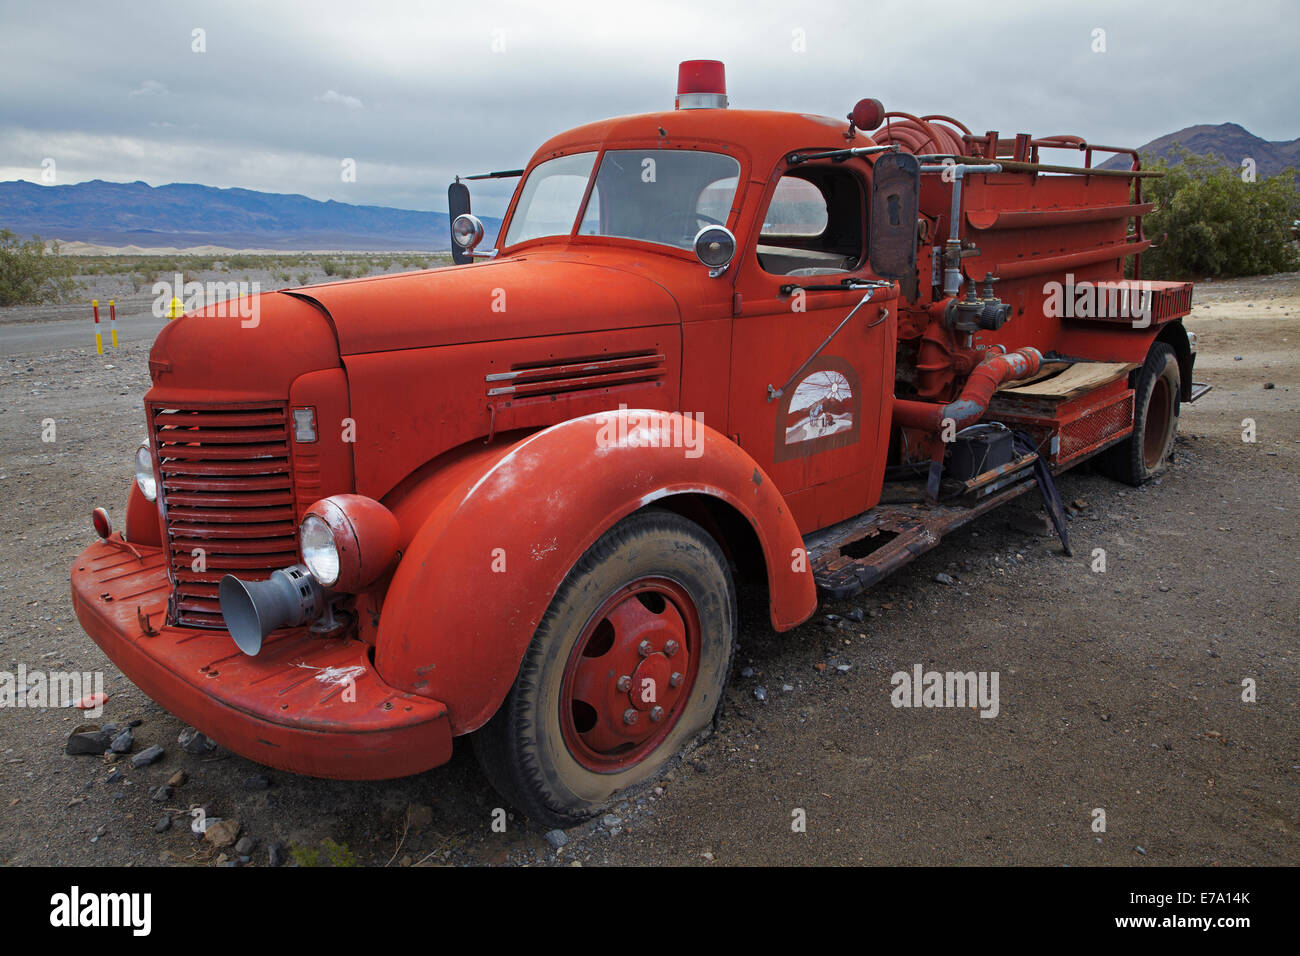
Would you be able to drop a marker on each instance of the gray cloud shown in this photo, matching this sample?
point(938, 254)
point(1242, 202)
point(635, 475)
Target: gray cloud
point(418, 92)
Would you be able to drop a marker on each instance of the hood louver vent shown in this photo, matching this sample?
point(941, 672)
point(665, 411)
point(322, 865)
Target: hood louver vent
point(563, 376)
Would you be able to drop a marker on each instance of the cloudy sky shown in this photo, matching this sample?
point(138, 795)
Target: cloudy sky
point(281, 94)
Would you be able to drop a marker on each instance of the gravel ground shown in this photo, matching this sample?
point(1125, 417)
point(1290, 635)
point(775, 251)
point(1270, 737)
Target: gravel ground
point(1119, 691)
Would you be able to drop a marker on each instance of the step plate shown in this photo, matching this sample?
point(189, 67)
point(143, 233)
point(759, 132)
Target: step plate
point(849, 557)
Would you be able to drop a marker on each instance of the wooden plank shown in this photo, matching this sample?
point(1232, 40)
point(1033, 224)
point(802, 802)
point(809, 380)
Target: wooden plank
point(1075, 380)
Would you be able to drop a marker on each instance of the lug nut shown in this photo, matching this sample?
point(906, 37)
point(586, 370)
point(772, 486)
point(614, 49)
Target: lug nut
point(644, 649)
point(656, 714)
point(630, 715)
point(675, 680)
point(671, 648)
point(624, 684)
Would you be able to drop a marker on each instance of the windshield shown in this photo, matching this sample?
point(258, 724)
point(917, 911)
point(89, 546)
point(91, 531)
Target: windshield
point(549, 203)
point(656, 195)
point(660, 195)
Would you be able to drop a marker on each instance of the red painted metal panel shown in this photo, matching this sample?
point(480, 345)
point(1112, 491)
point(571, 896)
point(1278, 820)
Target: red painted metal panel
point(437, 638)
point(399, 431)
point(285, 708)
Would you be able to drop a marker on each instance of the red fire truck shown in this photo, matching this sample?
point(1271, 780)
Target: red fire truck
point(515, 498)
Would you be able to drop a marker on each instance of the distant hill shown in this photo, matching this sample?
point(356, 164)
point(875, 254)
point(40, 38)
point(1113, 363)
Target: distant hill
point(1228, 140)
point(184, 214)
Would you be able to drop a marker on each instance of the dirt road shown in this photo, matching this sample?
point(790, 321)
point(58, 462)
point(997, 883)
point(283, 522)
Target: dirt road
point(1120, 691)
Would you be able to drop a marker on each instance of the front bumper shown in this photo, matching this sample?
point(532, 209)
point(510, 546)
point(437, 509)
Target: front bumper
point(306, 704)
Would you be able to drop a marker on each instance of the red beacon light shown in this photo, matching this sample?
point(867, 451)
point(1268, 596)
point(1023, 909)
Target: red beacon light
point(99, 520)
point(867, 115)
point(701, 85)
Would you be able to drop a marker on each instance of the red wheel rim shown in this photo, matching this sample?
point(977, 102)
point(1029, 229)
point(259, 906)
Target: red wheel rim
point(1157, 425)
point(630, 675)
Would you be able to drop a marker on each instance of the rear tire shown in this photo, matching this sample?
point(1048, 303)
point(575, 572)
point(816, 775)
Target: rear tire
point(1156, 399)
point(603, 703)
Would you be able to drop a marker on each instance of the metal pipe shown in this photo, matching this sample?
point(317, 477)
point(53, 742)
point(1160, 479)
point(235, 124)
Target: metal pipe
point(974, 399)
point(952, 257)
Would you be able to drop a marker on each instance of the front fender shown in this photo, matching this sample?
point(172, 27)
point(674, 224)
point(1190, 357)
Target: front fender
point(501, 534)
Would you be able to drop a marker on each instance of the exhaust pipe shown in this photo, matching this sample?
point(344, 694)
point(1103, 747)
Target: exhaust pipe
point(253, 609)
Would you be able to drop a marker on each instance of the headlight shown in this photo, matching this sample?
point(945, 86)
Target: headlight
point(144, 472)
point(467, 231)
point(348, 541)
point(319, 552)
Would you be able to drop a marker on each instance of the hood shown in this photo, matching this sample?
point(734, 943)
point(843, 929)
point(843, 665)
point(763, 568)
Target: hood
point(531, 295)
point(244, 349)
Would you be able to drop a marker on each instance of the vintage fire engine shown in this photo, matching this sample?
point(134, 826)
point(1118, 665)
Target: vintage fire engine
point(515, 498)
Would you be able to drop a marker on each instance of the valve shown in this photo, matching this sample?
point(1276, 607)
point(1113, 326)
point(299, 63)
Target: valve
point(972, 311)
point(995, 312)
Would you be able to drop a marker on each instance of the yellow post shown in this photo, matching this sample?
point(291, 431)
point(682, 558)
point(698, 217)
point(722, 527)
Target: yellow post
point(112, 320)
point(99, 338)
point(175, 310)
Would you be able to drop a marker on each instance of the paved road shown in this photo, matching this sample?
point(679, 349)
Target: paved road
point(57, 332)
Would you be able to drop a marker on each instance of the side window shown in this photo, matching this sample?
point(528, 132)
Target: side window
point(798, 208)
point(815, 223)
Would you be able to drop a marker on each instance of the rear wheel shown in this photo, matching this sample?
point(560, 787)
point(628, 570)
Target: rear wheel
point(626, 669)
point(1156, 395)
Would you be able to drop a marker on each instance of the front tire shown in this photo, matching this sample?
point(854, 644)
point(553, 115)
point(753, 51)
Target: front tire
point(1156, 395)
point(627, 668)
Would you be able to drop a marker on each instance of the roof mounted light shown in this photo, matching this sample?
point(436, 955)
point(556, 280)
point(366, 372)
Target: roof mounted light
point(701, 85)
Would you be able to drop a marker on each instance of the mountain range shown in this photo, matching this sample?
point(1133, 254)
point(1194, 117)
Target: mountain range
point(1227, 140)
point(185, 214)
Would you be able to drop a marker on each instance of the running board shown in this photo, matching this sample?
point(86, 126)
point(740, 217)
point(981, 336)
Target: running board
point(1199, 389)
point(849, 557)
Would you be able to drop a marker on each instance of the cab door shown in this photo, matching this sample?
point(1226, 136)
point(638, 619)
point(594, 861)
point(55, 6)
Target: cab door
point(810, 411)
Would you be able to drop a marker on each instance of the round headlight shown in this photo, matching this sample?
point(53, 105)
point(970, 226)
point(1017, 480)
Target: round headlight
point(467, 231)
point(319, 552)
point(715, 247)
point(144, 472)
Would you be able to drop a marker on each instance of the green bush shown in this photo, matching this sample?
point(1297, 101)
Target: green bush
point(1208, 221)
point(31, 274)
point(329, 853)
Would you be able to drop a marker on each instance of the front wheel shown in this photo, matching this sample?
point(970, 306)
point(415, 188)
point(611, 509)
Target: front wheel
point(1147, 452)
point(627, 667)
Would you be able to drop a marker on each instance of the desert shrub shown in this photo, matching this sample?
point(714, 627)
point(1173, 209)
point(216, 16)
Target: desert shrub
point(1209, 221)
point(330, 267)
point(30, 273)
point(329, 853)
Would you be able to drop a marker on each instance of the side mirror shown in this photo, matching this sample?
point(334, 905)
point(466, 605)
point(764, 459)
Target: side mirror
point(895, 199)
point(715, 247)
point(457, 206)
